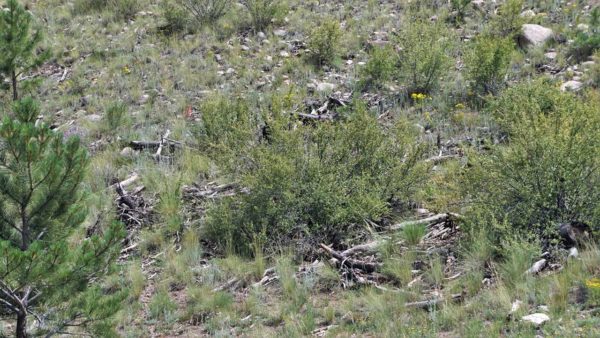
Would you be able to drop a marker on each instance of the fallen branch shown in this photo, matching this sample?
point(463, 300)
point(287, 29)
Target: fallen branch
point(350, 262)
point(439, 218)
point(430, 303)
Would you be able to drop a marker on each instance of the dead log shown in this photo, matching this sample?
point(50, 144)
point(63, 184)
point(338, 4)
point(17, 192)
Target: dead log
point(350, 262)
point(436, 219)
point(158, 154)
point(367, 247)
point(124, 198)
point(431, 303)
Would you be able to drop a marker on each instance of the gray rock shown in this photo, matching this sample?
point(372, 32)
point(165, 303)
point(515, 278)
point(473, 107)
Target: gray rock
point(551, 55)
point(571, 86)
point(536, 318)
point(261, 35)
point(535, 34)
point(127, 152)
point(280, 33)
point(325, 87)
point(527, 14)
point(94, 118)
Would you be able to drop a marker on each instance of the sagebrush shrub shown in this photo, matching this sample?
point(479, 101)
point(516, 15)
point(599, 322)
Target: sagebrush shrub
point(379, 68)
point(177, 17)
point(549, 171)
point(324, 42)
point(423, 55)
point(262, 12)
point(487, 62)
point(316, 183)
point(122, 9)
point(206, 11)
point(587, 42)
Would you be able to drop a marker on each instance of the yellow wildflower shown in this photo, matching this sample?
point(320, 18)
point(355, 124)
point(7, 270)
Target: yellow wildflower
point(418, 96)
point(459, 106)
point(126, 70)
point(593, 283)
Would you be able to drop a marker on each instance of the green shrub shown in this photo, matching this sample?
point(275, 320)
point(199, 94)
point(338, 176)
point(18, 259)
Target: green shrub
point(548, 172)
point(508, 20)
point(115, 114)
point(379, 68)
point(177, 17)
point(262, 12)
point(122, 9)
point(317, 183)
point(459, 10)
point(324, 42)
point(206, 11)
point(423, 55)
point(593, 74)
point(587, 42)
point(227, 129)
point(413, 233)
point(487, 62)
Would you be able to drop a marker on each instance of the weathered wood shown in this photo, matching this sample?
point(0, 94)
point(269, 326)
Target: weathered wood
point(350, 262)
point(430, 303)
point(439, 218)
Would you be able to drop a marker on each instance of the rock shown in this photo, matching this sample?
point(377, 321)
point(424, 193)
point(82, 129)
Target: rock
point(144, 99)
point(588, 64)
point(127, 152)
point(245, 48)
point(535, 35)
point(537, 266)
point(536, 318)
point(325, 87)
point(230, 71)
point(543, 308)
point(583, 27)
point(516, 305)
point(573, 252)
point(280, 33)
point(551, 55)
point(261, 35)
point(94, 118)
point(284, 54)
point(527, 14)
point(572, 86)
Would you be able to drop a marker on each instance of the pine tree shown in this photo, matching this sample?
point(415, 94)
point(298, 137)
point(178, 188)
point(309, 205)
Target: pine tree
point(18, 43)
point(44, 272)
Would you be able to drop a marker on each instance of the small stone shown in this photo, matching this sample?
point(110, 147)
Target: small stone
point(261, 35)
point(516, 305)
point(245, 48)
point(144, 98)
point(280, 32)
point(551, 55)
point(284, 54)
point(527, 14)
point(325, 87)
point(127, 152)
point(543, 308)
point(230, 71)
point(573, 252)
point(94, 118)
point(588, 64)
point(537, 318)
point(571, 86)
point(583, 27)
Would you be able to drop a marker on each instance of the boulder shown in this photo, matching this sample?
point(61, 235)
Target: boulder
point(535, 35)
point(572, 86)
point(537, 318)
point(325, 87)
